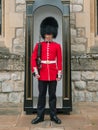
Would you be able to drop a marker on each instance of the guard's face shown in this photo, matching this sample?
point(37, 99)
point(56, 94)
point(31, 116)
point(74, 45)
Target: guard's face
point(48, 37)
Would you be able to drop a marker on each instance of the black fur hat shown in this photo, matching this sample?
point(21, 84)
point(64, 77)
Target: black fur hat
point(49, 26)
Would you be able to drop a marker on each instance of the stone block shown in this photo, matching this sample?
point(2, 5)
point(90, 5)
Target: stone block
point(22, 97)
point(96, 76)
point(23, 76)
point(77, 1)
point(76, 76)
point(72, 40)
point(19, 40)
point(16, 20)
point(80, 32)
point(2, 43)
point(95, 98)
point(5, 76)
point(7, 86)
point(73, 96)
point(79, 96)
point(19, 49)
point(16, 76)
point(80, 85)
point(89, 96)
point(19, 32)
point(14, 97)
point(20, 1)
point(77, 8)
point(9, 63)
point(72, 22)
point(19, 86)
point(78, 49)
point(88, 75)
point(84, 64)
point(73, 86)
point(80, 40)
point(72, 25)
point(92, 86)
point(21, 8)
point(72, 16)
point(0, 87)
point(73, 32)
point(4, 50)
point(3, 98)
point(94, 49)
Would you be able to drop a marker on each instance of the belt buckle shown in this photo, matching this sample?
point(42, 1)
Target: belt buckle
point(47, 61)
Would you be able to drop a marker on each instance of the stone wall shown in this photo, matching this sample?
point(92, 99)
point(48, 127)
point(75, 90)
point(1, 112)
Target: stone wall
point(18, 45)
point(11, 78)
point(84, 65)
point(85, 85)
point(12, 59)
point(78, 34)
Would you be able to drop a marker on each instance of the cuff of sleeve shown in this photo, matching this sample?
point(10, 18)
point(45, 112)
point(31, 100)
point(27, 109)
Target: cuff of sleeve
point(59, 74)
point(35, 71)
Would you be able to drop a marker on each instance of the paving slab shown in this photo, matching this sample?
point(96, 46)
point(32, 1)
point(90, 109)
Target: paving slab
point(88, 127)
point(9, 111)
point(25, 120)
point(83, 117)
point(15, 128)
point(47, 128)
point(11, 105)
point(74, 121)
point(94, 121)
point(94, 127)
point(8, 120)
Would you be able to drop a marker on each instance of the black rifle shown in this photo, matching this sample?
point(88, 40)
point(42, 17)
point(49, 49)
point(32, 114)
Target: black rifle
point(38, 60)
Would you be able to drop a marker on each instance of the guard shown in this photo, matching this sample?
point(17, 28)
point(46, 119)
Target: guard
point(50, 70)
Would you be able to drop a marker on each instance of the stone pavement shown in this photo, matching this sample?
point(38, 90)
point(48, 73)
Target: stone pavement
point(83, 117)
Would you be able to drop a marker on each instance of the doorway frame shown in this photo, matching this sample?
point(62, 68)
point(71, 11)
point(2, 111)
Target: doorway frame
point(28, 88)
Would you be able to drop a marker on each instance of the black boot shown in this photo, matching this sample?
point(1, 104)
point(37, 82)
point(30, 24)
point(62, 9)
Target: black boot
point(55, 119)
point(37, 120)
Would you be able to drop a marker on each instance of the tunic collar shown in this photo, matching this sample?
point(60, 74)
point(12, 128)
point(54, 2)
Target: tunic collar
point(48, 41)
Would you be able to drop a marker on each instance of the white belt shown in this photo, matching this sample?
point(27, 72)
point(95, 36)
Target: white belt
point(48, 61)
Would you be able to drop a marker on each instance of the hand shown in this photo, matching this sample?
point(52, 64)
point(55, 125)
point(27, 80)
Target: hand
point(37, 76)
point(58, 79)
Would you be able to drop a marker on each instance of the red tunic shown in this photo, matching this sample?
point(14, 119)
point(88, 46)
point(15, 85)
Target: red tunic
point(50, 51)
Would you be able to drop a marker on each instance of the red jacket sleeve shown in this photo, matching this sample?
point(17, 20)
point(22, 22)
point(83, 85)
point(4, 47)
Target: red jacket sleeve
point(59, 58)
point(33, 57)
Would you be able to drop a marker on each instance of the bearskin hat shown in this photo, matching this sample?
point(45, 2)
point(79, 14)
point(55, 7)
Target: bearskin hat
point(49, 26)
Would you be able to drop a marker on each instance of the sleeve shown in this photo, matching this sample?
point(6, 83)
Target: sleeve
point(59, 59)
point(33, 59)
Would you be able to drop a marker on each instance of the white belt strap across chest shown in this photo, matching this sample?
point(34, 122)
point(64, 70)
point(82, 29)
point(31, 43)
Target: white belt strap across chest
point(48, 61)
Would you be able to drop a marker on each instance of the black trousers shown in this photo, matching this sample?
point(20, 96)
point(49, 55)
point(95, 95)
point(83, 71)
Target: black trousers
point(42, 87)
